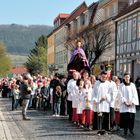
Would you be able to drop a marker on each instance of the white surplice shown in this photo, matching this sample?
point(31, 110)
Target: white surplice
point(114, 92)
point(128, 94)
point(79, 98)
point(102, 90)
point(70, 87)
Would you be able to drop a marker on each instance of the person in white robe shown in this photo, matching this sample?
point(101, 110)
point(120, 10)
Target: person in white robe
point(114, 91)
point(117, 105)
point(74, 104)
point(102, 99)
point(70, 86)
point(79, 96)
point(87, 115)
point(129, 99)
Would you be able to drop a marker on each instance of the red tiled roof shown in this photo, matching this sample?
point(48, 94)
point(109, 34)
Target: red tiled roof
point(128, 9)
point(19, 70)
point(61, 15)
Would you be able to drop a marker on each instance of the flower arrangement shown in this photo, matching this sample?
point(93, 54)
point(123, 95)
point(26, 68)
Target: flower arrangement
point(109, 67)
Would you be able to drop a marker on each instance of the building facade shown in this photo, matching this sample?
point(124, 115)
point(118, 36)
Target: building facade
point(51, 54)
point(54, 39)
point(62, 33)
point(106, 11)
point(74, 25)
point(128, 40)
point(61, 52)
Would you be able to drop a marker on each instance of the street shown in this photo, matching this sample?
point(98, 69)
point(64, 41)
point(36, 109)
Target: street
point(44, 126)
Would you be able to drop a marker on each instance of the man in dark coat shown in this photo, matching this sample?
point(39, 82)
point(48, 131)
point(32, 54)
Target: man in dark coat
point(25, 89)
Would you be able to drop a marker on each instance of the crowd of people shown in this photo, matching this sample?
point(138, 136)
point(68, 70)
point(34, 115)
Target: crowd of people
point(100, 104)
point(36, 92)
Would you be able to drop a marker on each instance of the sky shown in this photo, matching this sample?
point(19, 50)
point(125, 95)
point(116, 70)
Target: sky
point(32, 12)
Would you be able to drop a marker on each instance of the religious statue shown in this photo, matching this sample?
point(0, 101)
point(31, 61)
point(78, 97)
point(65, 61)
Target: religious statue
point(78, 59)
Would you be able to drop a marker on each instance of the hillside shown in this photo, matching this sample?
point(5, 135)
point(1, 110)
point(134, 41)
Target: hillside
point(20, 39)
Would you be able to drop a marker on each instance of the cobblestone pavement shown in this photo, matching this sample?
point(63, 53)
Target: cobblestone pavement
point(45, 127)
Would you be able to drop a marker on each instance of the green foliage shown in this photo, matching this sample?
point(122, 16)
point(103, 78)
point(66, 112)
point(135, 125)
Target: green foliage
point(5, 64)
point(20, 39)
point(37, 59)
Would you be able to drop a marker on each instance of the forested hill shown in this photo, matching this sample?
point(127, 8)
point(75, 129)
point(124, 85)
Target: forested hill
point(20, 39)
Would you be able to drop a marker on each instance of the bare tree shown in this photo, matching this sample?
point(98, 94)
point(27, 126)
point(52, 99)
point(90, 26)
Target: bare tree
point(95, 42)
point(101, 40)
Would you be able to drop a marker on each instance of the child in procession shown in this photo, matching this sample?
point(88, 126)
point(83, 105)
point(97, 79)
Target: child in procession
point(87, 115)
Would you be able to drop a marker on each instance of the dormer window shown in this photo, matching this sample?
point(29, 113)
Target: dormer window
point(135, 1)
point(132, 2)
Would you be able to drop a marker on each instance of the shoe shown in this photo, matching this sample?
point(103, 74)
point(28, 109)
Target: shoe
point(54, 115)
point(113, 129)
point(125, 132)
point(26, 118)
point(131, 132)
point(81, 126)
point(89, 128)
point(101, 132)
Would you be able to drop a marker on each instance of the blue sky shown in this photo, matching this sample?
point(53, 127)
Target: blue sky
point(29, 12)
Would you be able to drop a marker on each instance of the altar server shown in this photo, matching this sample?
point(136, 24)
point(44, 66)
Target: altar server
point(129, 99)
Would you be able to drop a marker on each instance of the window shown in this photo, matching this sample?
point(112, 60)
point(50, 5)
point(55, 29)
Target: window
point(129, 30)
point(121, 49)
point(82, 19)
point(118, 35)
point(129, 48)
point(118, 49)
point(124, 68)
point(133, 46)
point(86, 19)
point(75, 25)
point(129, 67)
point(114, 8)
point(130, 2)
point(78, 23)
point(137, 45)
point(107, 12)
point(134, 32)
point(138, 26)
point(122, 33)
point(124, 48)
point(125, 31)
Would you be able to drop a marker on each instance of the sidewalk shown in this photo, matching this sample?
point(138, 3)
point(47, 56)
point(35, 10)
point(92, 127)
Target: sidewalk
point(5, 132)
